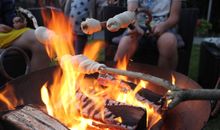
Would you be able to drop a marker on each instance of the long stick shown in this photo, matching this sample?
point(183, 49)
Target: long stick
point(158, 81)
point(177, 96)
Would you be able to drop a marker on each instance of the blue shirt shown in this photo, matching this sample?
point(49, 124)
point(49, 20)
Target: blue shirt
point(7, 12)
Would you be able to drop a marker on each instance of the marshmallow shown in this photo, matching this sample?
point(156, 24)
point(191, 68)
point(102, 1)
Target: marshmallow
point(44, 35)
point(91, 26)
point(121, 20)
point(82, 64)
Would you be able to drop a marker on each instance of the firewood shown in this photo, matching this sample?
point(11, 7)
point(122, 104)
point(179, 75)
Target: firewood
point(29, 118)
point(133, 118)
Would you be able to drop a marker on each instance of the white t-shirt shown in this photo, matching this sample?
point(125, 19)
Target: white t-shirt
point(159, 9)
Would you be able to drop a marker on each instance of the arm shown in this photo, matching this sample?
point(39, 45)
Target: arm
point(174, 14)
point(172, 19)
point(5, 28)
point(132, 5)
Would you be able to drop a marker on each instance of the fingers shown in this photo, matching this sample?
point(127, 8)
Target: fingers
point(17, 19)
point(5, 28)
point(19, 23)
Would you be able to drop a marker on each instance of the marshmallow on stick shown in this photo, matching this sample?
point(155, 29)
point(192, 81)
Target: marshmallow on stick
point(44, 34)
point(122, 20)
point(82, 64)
point(91, 26)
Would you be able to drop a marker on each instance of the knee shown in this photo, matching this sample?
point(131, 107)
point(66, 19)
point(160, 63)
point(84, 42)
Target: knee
point(167, 44)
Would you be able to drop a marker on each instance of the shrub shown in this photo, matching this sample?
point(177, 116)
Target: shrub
point(203, 26)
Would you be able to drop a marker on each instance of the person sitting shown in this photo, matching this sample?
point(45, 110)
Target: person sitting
point(13, 32)
point(165, 15)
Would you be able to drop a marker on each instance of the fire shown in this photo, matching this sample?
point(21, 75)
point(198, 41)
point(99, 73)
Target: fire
point(173, 79)
point(122, 64)
point(62, 96)
point(10, 100)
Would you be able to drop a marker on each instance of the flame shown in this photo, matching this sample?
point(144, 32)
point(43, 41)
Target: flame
point(93, 49)
point(173, 79)
point(62, 43)
point(130, 98)
point(122, 64)
point(9, 99)
point(60, 97)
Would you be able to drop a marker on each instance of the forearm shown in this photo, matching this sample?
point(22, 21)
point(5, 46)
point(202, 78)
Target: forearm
point(174, 16)
point(132, 5)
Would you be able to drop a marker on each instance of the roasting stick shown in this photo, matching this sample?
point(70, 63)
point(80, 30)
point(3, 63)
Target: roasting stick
point(158, 81)
point(177, 96)
point(87, 66)
point(122, 20)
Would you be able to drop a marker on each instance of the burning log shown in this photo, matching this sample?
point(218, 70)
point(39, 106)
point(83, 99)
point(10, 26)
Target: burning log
point(115, 115)
point(29, 118)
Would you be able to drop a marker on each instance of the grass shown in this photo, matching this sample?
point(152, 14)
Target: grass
point(214, 122)
point(194, 62)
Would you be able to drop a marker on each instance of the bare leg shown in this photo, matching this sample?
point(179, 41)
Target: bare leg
point(28, 41)
point(167, 46)
point(126, 48)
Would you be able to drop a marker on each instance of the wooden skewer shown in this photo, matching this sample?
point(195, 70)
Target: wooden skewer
point(158, 81)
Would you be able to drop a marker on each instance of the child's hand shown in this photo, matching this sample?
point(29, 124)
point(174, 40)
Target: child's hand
point(5, 28)
point(19, 23)
point(136, 31)
point(159, 29)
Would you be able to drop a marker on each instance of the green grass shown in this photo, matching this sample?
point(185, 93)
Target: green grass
point(194, 62)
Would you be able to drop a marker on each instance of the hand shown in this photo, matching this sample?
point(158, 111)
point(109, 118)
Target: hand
point(19, 23)
point(136, 31)
point(5, 28)
point(159, 29)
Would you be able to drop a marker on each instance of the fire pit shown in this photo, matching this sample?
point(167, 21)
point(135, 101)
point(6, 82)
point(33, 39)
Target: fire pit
point(71, 95)
point(190, 115)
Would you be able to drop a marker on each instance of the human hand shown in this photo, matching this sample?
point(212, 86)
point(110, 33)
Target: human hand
point(159, 29)
point(136, 31)
point(19, 23)
point(5, 28)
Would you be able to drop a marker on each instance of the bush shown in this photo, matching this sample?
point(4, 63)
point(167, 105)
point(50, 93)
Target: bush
point(203, 27)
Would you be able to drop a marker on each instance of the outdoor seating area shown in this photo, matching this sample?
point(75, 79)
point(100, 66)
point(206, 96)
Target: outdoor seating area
point(27, 91)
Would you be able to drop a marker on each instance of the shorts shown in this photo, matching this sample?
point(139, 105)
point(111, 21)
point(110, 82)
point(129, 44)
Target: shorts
point(151, 39)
